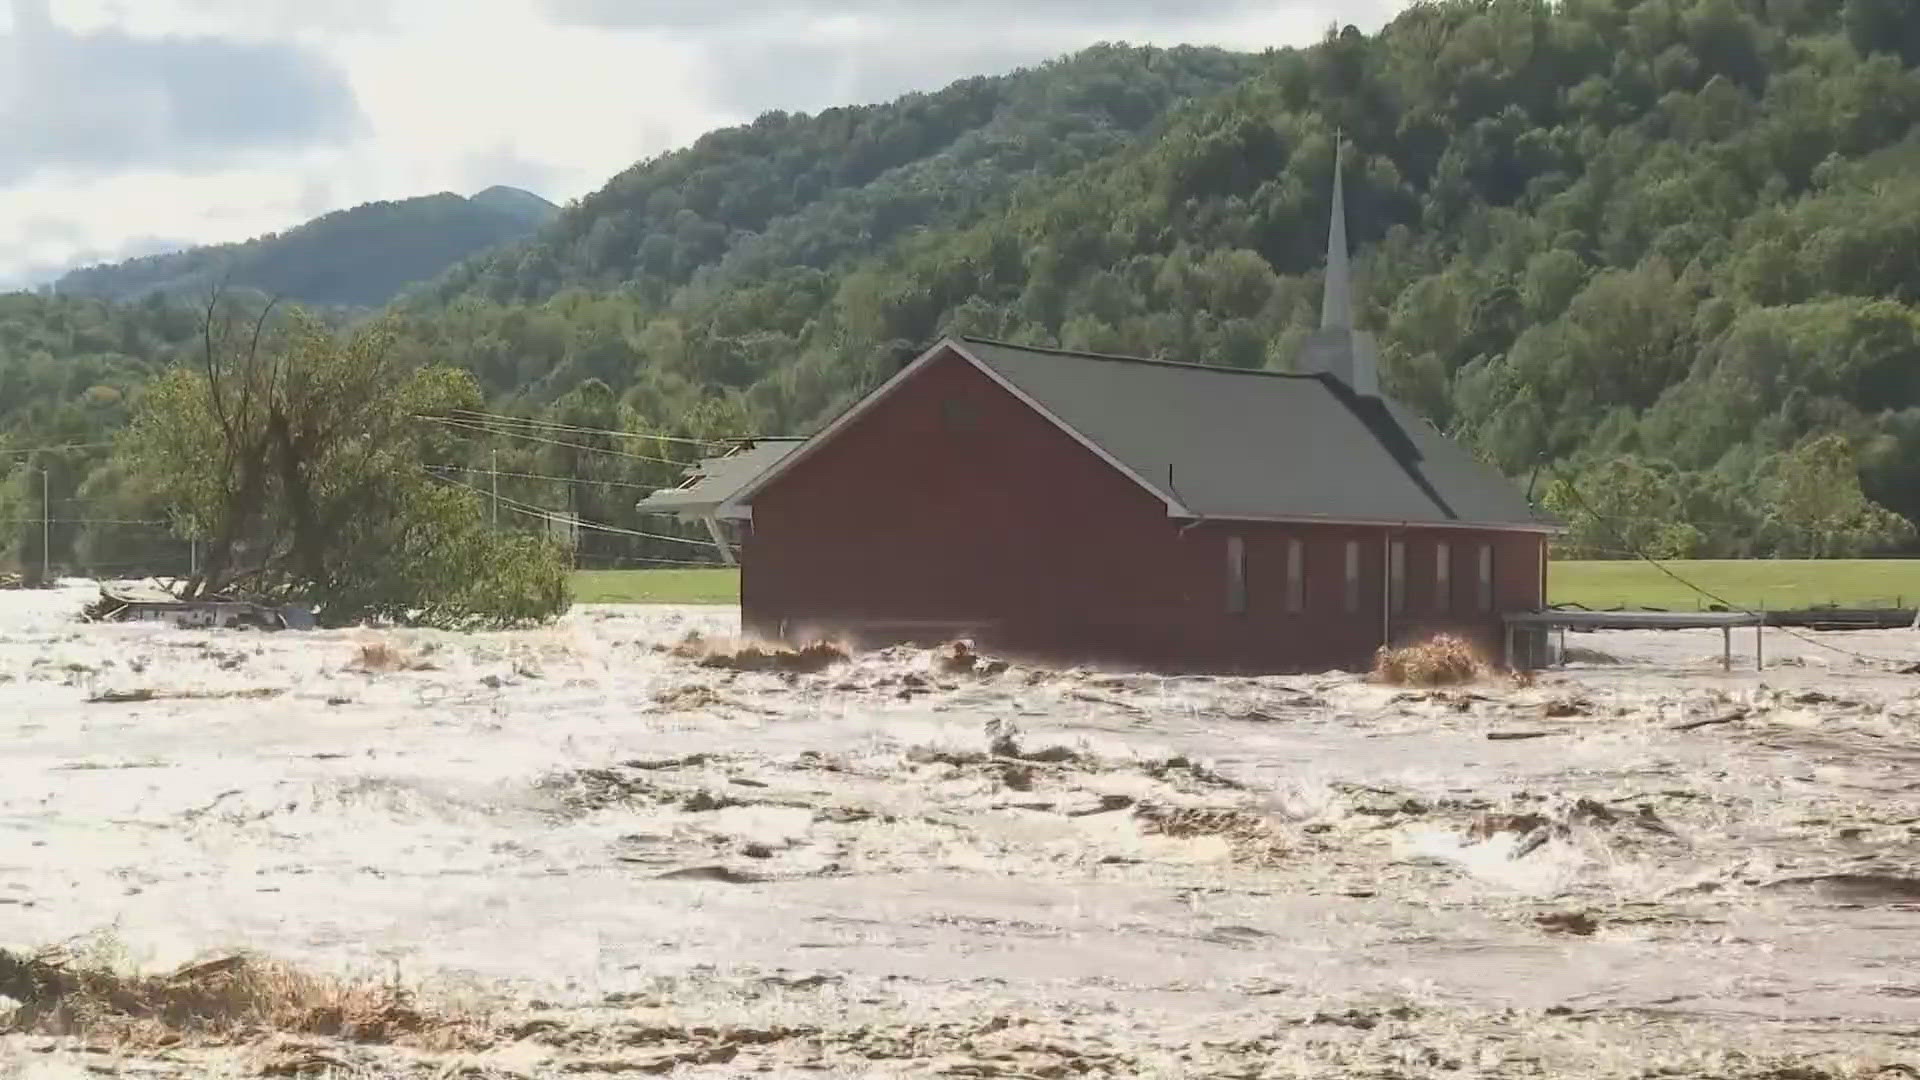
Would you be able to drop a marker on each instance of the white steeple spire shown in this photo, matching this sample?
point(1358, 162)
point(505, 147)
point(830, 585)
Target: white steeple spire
point(1336, 309)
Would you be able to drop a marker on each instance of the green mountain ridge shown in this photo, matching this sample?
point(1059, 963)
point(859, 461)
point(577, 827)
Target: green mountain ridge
point(794, 190)
point(359, 257)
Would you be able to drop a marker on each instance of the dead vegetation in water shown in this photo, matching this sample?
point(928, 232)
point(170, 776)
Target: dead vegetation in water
point(381, 657)
point(61, 992)
point(585, 791)
point(125, 697)
point(1007, 758)
point(1532, 829)
point(994, 1045)
point(1252, 839)
point(699, 698)
point(1442, 660)
point(734, 655)
point(960, 658)
point(689, 699)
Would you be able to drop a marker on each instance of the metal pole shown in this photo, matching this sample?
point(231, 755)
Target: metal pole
point(46, 532)
point(1726, 643)
point(496, 490)
point(1386, 589)
point(720, 539)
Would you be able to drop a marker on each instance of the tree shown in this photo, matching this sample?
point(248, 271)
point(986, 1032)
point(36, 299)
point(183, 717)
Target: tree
point(297, 458)
point(1885, 26)
point(1621, 509)
point(1816, 501)
point(21, 531)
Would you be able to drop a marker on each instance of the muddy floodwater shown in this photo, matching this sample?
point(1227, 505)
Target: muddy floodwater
point(619, 861)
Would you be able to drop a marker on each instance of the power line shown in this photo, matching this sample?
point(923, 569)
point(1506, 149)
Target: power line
point(542, 476)
point(476, 428)
point(552, 425)
point(548, 515)
point(617, 531)
point(660, 562)
point(79, 521)
point(1722, 601)
point(53, 449)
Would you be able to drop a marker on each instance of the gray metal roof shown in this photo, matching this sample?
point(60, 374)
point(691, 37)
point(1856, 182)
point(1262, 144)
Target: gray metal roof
point(712, 484)
point(1256, 445)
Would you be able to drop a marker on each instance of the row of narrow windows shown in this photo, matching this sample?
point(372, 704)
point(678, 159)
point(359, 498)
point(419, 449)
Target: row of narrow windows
point(1443, 597)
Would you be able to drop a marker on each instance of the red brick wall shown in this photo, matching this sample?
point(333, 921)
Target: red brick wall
point(1326, 634)
point(954, 507)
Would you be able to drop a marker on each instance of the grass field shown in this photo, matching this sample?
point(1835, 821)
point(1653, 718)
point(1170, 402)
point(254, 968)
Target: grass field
point(656, 586)
point(1778, 585)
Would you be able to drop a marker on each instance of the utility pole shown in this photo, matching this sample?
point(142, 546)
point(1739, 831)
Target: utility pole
point(496, 491)
point(46, 532)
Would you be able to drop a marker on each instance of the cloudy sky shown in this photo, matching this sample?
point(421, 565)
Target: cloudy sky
point(133, 126)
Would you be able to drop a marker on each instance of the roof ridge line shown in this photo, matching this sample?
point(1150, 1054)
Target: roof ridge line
point(1319, 376)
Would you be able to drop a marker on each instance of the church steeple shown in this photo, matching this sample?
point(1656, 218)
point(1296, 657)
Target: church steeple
point(1336, 309)
point(1338, 348)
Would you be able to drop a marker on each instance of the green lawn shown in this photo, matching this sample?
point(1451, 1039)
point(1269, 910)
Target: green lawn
point(1775, 584)
point(656, 586)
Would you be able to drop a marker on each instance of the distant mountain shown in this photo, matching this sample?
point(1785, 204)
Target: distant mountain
point(515, 203)
point(361, 257)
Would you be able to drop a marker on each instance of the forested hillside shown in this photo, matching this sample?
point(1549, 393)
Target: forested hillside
point(362, 257)
point(69, 369)
point(1666, 249)
point(1685, 231)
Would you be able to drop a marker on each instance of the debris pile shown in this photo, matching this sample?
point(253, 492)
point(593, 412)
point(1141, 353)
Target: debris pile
point(959, 658)
point(1253, 839)
point(1532, 829)
point(753, 656)
point(59, 993)
point(144, 693)
point(129, 604)
point(585, 791)
point(1442, 660)
point(688, 699)
point(1577, 923)
point(378, 657)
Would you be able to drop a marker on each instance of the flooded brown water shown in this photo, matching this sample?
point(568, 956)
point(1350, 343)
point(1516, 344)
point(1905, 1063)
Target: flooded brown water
point(625, 862)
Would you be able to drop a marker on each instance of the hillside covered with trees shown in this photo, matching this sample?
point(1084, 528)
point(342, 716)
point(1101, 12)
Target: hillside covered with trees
point(362, 257)
point(1659, 258)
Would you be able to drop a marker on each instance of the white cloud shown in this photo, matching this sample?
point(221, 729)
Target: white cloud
point(100, 99)
point(582, 102)
point(553, 95)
